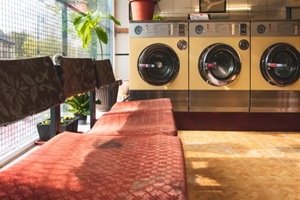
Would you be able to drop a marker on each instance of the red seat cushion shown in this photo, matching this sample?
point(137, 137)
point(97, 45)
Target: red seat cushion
point(87, 166)
point(136, 124)
point(139, 105)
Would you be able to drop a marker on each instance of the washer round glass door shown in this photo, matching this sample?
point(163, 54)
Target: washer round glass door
point(219, 64)
point(158, 64)
point(280, 64)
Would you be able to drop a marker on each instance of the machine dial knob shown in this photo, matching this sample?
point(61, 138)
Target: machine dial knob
point(199, 29)
point(138, 30)
point(261, 29)
point(244, 44)
point(182, 44)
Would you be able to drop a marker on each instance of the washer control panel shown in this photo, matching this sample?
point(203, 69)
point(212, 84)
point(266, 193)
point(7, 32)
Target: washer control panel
point(275, 28)
point(154, 29)
point(217, 29)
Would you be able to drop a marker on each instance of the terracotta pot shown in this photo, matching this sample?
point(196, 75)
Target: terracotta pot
point(142, 9)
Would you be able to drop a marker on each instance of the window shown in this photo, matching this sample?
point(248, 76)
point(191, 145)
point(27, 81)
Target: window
point(32, 28)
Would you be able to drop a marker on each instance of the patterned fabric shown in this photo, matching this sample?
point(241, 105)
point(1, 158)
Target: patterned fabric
point(86, 166)
point(104, 73)
point(28, 86)
point(141, 123)
point(139, 105)
point(78, 76)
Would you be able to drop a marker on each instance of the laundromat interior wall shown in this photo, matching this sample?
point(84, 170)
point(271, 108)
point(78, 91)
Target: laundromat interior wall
point(236, 9)
point(250, 9)
point(179, 9)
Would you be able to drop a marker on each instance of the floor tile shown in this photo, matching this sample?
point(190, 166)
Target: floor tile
point(242, 165)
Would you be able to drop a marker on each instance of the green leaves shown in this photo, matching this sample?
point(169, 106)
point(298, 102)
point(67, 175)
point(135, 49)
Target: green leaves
point(101, 34)
point(87, 23)
point(79, 104)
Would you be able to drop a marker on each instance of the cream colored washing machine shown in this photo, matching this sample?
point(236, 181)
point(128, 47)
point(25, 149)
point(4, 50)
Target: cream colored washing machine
point(219, 66)
point(159, 62)
point(275, 66)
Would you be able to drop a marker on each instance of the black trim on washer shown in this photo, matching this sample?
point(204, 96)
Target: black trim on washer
point(158, 64)
point(280, 65)
point(219, 64)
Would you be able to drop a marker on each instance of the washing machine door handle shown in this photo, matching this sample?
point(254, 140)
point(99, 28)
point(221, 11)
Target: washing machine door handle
point(211, 65)
point(277, 65)
point(142, 65)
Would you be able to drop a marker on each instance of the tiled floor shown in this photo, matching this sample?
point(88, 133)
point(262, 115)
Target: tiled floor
point(242, 165)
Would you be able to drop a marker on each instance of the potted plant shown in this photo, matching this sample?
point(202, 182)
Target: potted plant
point(158, 17)
point(86, 24)
point(67, 123)
point(142, 9)
point(79, 106)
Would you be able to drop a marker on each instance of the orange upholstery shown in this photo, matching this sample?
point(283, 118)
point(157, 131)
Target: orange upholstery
point(139, 105)
point(78, 166)
point(108, 163)
point(28, 86)
point(143, 123)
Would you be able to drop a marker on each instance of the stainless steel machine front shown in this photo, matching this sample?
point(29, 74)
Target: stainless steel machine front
point(159, 62)
point(275, 66)
point(219, 66)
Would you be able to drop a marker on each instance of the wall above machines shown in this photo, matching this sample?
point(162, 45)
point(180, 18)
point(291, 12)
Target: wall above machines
point(236, 9)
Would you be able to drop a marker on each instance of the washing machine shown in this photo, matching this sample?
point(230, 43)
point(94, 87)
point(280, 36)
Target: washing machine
point(219, 66)
point(159, 61)
point(275, 66)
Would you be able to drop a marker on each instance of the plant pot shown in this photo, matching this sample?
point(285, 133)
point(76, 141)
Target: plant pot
point(71, 125)
point(108, 96)
point(44, 129)
point(142, 9)
point(82, 119)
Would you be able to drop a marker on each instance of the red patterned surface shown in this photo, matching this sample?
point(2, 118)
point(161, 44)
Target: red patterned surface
point(87, 166)
point(136, 123)
point(138, 105)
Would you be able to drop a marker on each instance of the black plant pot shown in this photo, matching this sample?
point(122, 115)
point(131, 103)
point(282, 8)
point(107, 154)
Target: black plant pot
point(81, 118)
point(44, 129)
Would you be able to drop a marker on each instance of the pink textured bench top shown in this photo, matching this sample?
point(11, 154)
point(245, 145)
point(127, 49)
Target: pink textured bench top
point(139, 105)
point(87, 166)
point(140, 123)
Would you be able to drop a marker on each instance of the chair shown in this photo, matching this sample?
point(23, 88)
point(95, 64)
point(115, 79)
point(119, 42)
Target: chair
point(77, 76)
point(107, 85)
point(28, 86)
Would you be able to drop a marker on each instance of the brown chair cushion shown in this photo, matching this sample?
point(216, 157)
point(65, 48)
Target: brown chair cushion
point(78, 75)
point(87, 166)
point(28, 86)
point(104, 73)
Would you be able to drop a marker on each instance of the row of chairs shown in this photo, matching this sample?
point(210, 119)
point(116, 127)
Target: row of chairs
point(48, 83)
point(131, 152)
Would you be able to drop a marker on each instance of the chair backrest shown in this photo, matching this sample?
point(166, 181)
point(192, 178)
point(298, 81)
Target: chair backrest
point(28, 86)
point(78, 74)
point(104, 73)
